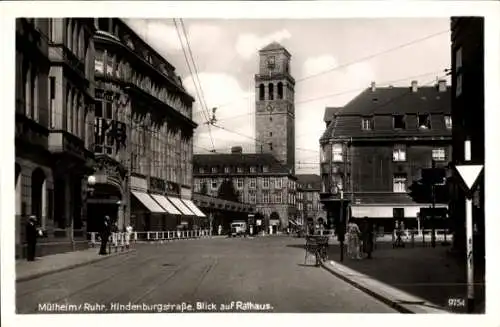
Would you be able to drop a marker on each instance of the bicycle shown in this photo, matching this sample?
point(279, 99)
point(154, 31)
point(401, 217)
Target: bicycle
point(317, 245)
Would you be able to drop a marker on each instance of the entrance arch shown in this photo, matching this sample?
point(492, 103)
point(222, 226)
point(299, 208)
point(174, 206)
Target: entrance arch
point(38, 185)
point(104, 200)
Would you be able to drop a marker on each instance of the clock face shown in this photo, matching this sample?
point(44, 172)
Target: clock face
point(269, 108)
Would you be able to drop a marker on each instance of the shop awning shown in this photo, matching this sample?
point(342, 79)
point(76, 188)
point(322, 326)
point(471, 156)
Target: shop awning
point(181, 206)
point(373, 211)
point(148, 202)
point(169, 207)
point(193, 208)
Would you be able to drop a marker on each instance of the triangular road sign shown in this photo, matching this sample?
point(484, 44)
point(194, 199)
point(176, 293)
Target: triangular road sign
point(469, 174)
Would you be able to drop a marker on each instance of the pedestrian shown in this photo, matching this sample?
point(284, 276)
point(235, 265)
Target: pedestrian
point(32, 233)
point(128, 233)
point(368, 239)
point(220, 230)
point(104, 234)
point(353, 245)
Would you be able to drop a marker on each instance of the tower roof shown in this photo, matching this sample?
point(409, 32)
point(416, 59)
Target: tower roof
point(273, 46)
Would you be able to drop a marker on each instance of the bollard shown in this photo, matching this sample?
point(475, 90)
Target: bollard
point(92, 239)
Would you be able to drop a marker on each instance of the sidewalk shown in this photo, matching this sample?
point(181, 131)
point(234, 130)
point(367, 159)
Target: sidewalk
point(419, 279)
point(27, 270)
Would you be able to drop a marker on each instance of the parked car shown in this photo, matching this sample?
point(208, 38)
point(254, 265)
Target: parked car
point(238, 228)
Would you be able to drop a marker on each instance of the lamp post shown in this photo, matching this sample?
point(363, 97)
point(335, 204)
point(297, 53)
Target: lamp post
point(341, 222)
point(91, 181)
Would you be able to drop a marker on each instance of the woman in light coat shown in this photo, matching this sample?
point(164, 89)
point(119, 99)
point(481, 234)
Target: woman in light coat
point(353, 244)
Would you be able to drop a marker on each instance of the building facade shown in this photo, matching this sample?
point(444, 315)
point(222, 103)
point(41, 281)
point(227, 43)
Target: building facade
point(467, 53)
point(274, 106)
point(54, 106)
point(259, 179)
point(143, 135)
point(309, 205)
point(375, 147)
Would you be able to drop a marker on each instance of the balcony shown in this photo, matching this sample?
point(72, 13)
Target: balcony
point(62, 142)
point(29, 132)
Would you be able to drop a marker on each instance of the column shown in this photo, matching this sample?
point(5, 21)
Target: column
point(121, 217)
point(44, 204)
point(68, 209)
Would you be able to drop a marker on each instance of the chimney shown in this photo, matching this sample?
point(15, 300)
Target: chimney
point(373, 86)
point(414, 86)
point(236, 149)
point(442, 85)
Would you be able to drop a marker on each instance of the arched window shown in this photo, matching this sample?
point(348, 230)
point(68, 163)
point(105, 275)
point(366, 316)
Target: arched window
point(69, 34)
point(280, 90)
point(69, 110)
point(75, 38)
point(262, 92)
point(271, 91)
point(81, 44)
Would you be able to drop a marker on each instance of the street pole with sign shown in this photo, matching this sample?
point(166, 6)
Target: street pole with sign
point(469, 174)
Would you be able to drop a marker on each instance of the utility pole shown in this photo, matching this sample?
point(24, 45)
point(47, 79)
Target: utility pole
point(341, 232)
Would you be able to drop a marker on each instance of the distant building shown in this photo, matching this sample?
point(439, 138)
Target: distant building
point(143, 135)
point(467, 53)
point(308, 198)
point(375, 147)
point(259, 178)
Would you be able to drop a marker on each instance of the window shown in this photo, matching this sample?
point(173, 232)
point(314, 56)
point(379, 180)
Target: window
point(399, 122)
point(226, 170)
point(265, 182)
point(214, 170)
point(214, 184)
point(399, 183)
point(252, 183)
point(271, 91)
point(109, 65)
point(270, 133)
point(239, 183)
point(261, 92)
point(367, 123)
point(252, 197)
point(309, 207)
point(398, 213)
point(438, 154)
point(271, 146)
point(278, 183)
point(201, 170)
point(458, 72)
point(253, 169)
point(278, 198)
point(265, 169)
point(448, 121)
point(337, 152)
point(399, 152)
point(424, 121)
point(103, 24)
point(104, 142)
point(99, 62)
point(239, 169)
point(265, 197)
point(280, 90)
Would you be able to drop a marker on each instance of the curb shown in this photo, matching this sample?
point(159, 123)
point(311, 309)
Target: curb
point(402, 308)
point(76, 265)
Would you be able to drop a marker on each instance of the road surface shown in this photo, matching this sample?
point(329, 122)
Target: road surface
point(263, 274)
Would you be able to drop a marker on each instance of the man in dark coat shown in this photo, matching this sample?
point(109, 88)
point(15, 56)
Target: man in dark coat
point(368, 238)
point(31, 236)
point(104, 234)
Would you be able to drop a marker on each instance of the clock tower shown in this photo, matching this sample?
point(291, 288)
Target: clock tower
point(274, 105)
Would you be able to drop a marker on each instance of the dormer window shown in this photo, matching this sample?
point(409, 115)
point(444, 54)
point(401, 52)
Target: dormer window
point(424, 121)
point(367, 123)
point(214, 170)
point(239, 170)
point(201, 170)
point(253, 169)
point(265, 169)
point(226, 170)
point(399, 122)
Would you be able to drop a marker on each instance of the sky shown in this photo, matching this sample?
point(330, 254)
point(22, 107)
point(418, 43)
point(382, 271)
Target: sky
point(333, 60)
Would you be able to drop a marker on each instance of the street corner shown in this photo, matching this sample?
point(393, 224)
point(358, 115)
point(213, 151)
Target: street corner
point(393, 297)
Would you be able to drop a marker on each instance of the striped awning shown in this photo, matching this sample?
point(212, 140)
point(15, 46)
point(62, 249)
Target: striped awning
point(148, 202)
point(193, 208)
point(169, 207)
point(181, 206)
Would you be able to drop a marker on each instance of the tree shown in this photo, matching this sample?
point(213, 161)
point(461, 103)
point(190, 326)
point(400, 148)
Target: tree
point(228, 192)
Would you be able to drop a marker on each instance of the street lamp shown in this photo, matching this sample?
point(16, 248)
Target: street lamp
point(90, 184)
point(341, 222)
